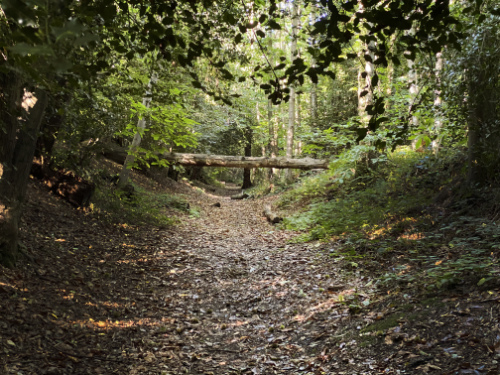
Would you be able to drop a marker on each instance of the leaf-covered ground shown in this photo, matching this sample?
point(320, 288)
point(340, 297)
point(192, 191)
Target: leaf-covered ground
point(223, 292)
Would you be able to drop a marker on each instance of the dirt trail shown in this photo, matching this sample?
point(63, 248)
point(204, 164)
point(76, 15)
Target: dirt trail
point(245, 300)
point(221, 293)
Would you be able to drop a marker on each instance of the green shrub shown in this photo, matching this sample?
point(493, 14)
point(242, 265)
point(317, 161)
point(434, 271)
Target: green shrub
point(141, 208)
point(343, 201)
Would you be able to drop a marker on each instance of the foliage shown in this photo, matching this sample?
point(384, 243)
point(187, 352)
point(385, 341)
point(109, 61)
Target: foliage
point(472, 87)
point(388, 220)
point(344, 203)
point(141, 208)
point(168, 128)
point(470, 244)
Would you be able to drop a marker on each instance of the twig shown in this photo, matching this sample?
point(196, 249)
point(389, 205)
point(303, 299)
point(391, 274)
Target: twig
point(262, 50)
point(223, 350)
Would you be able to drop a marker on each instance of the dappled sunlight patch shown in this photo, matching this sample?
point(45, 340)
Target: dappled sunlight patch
point(105, 325)
point(412, 236)
point(301, 318)
point(238, 323)
point(404, 269)
point(12, 286)
point(325, 305)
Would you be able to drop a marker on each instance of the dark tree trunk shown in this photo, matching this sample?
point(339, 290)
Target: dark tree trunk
point(17, 149)
point(247, 178)
point(483, 132)
point(51, 124)
point(195, 173)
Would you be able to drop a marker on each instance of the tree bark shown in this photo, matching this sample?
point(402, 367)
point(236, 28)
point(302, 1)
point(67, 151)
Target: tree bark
point(291, 103)
point(271, 216)
point(438, 120)
point(141, 125)
point(247, 180)
point(244, 162)
point(16, 156)
point(483, 157)
point(118, 155)
point(365, 89)
point(298, 145)
point(314, 105)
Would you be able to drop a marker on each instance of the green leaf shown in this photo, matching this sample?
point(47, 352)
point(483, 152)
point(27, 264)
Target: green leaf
point(362, 132)
point(419, 143)
point(196, 84)
point(229, 18)
point(260, 33)
point(272, 24)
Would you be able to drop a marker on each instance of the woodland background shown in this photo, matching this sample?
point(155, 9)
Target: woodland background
point(387, 91)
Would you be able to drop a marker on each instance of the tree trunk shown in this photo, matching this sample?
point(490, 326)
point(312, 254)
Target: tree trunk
point(247, 180)
point(298, 145)
point(291, 103)
point(203, 160)
point(17, 149)
point(483, 137)
point(244, 162)
point(438, 120)
point(270, 215)
point(314, 105)
point(314, 85)
point(365, 89)
point(273, 136)
point(141, 125)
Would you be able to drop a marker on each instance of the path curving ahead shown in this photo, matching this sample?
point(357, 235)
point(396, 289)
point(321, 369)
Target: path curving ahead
point(222, 293)
point(240, 299)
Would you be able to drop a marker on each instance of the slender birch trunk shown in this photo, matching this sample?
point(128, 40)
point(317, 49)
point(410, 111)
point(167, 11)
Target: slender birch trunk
point(291, 103)
point(438, 121)
point(141, 125)
point(365, 89)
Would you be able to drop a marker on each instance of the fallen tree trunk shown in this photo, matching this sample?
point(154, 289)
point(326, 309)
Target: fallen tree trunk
point(240, 196)
point(271, 216)
point(118, 154)
point(244, 162)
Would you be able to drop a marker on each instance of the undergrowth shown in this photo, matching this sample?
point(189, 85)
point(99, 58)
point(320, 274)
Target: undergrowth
point(342, 202)
point(140, 208)
point(387, 220)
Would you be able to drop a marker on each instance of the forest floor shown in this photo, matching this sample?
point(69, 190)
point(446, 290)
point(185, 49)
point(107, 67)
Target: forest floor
point(222, 292)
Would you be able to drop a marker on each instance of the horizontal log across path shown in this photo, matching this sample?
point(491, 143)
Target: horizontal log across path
point(204, 160)
point(118, 154)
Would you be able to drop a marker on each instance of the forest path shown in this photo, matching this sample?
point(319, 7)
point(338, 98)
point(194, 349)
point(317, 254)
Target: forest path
point(246, 301)
point(223, 292)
